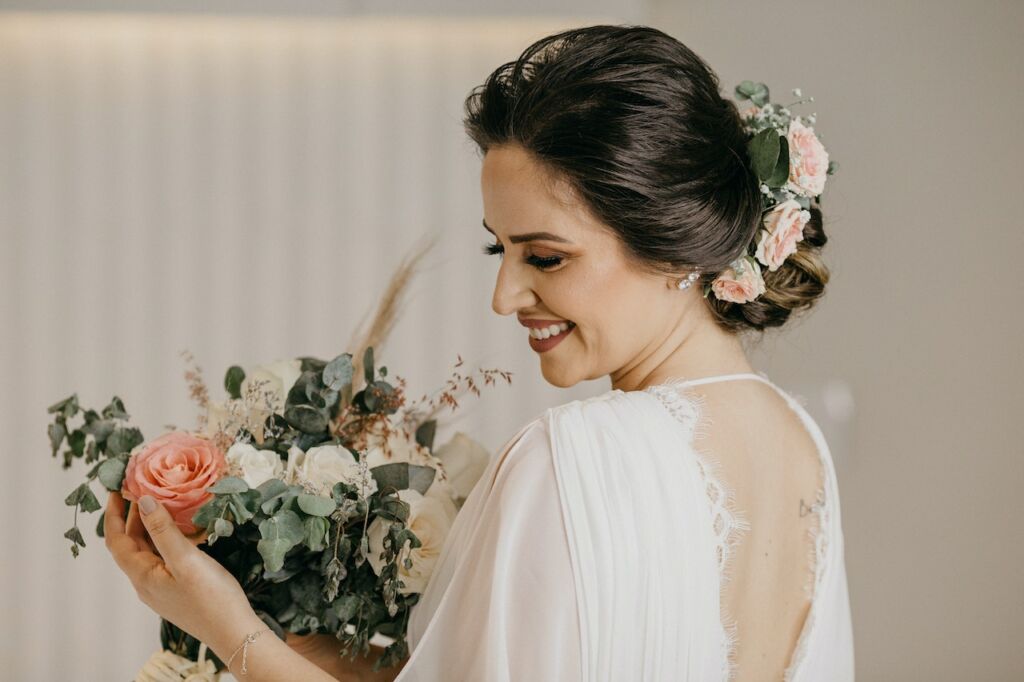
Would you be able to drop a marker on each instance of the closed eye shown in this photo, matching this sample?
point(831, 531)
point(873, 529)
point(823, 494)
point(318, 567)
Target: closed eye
point(535, 261)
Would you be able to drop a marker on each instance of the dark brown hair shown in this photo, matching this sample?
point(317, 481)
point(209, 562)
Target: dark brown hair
point(635, 122)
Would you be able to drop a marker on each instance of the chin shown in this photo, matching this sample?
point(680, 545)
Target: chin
point(557, 378)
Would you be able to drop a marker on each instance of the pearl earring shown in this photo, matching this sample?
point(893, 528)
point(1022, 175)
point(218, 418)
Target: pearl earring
point(689, 279)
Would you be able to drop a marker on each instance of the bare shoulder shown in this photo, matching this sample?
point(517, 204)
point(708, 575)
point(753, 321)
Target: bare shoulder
point(750, 428)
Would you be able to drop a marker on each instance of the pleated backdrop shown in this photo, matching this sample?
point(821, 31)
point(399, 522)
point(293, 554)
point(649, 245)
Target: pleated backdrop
point(241, 188)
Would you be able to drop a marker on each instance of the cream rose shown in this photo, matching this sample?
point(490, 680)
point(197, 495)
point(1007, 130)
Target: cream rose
point(399, 446)
point(808, 160)
point(252, 465)
point(464, 461)
point(431, 521)
point(740, 282)
point(229, 416)
point(322, 466)
point(276, 379)
point(784, 227)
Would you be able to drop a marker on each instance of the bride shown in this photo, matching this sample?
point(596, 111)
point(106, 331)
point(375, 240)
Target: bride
point(683, 525)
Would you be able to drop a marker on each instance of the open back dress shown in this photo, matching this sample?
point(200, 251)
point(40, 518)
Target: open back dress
point(594, 547)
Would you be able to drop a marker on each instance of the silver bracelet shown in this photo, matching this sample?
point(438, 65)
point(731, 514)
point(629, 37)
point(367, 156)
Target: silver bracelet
point(244, 648)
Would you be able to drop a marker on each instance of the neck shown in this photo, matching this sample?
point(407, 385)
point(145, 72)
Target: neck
point(698, 350)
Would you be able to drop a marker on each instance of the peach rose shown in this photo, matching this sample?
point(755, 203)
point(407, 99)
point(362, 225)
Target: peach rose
point(784, 227)
point(808, 160)
point(740, 282)
point(175, 469)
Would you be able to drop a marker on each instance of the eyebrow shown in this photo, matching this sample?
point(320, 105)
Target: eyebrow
point(531, 236)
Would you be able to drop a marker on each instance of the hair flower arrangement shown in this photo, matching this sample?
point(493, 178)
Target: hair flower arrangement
point(791, 165)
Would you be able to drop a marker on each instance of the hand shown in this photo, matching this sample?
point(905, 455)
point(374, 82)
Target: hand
point(174, 578)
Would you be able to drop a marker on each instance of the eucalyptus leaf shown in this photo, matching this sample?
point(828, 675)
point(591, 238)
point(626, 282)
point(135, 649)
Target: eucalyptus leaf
point(306, 418)
point(115, 410)
point(83, 497)
point(111, 473)
point(755, 92)
point(213, 508)
point(123, 439)
point(67, 407)
point(280, 533)
point(233, 379)
point(57, 432)
point(338, 372)
point(315, 505)
point(228, 485)
point(425, 433)
point(75, 536)
point(223, 528)
point(272, 487)
point(403, 476)
point(76, 441)
point(316, 533)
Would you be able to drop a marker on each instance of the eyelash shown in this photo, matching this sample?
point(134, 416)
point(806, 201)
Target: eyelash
point(536, 261)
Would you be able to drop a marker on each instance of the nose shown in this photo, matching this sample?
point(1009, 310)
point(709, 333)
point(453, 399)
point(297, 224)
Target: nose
point(511, 291)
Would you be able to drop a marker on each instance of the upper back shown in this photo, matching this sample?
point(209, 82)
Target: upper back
point(766, 471)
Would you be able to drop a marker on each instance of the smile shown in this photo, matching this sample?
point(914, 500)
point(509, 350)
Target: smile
point(546, 338)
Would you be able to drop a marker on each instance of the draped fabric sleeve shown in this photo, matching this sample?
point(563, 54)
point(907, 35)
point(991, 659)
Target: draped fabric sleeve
point(501, 604)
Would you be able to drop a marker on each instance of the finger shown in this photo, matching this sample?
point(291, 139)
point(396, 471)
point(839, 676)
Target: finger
point(172, 544)
point(133, 562)
point(137, 530)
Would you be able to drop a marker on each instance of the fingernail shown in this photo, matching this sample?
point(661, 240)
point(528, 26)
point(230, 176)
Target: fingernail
point(147, 504)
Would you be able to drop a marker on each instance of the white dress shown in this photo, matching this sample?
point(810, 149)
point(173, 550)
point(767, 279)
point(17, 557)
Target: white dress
point(593, 548)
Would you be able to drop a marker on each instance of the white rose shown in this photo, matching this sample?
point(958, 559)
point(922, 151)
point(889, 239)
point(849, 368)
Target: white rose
point(397, 447)
point(464, 461)
point(431, 521)
point(230, 415)
point(276, 379)
point(323, 466)
point(255, 466)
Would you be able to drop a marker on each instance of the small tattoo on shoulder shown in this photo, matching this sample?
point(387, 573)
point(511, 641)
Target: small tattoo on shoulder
point(806, 509)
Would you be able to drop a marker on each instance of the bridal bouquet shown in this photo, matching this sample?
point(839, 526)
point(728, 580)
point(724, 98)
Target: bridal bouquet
point(325, 498)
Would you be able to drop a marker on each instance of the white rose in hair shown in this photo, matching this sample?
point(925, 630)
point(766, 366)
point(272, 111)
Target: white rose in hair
point(252, 465)
point(464, 461)
point(431, 520)
point(275, 379)
point(324, 465)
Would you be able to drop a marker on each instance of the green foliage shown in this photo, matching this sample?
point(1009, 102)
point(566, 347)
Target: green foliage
point(233, 379)
point(301, 558)
point(755, 92)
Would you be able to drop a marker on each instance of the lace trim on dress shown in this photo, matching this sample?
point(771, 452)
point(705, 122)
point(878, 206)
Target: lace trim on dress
point(728, 521)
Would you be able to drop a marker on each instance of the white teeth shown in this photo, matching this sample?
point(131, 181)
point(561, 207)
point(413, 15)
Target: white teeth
point(548, 332)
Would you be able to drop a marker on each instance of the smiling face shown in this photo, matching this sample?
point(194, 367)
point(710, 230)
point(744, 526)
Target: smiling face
point(627, 321)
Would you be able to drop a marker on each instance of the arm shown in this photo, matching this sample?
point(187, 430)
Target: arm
point(190, 589)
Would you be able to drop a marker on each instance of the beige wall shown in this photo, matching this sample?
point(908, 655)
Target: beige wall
point(920, 103)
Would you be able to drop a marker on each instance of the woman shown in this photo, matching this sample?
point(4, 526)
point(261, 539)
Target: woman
point(684, 524)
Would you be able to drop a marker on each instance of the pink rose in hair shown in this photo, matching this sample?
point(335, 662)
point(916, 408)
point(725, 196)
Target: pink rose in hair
point(808, 160)
point(784, 227)
point(175, 469)
point(740, 282)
